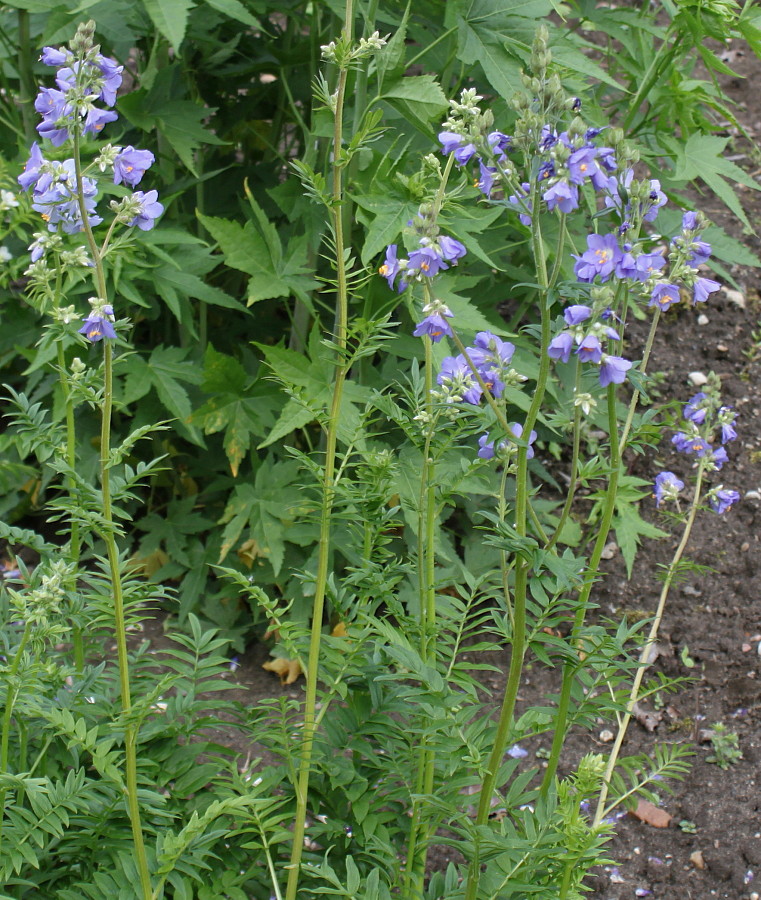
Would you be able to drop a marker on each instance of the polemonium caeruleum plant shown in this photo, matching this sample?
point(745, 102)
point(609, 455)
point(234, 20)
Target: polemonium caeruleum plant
point(553, 165)
point(65, 193)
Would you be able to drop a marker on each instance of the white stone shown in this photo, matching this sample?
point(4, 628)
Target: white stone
point(697, 379)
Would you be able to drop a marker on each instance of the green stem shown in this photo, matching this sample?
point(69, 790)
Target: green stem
point(112, 552)
point(566, 511)
point(328, 489)
point(522, 565)
point(27, 88)
point(642, 369)
point(10, 702)
point(570, 667)
point(646, 653)
point(417, 847)
point(71, 461)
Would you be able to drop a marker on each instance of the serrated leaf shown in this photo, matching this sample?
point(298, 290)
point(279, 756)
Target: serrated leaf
point(246, 250)
point(419, 97)
point(294, 415)
point(390, 216)
point(170, 17)
point(241, 410)
point(701, 157)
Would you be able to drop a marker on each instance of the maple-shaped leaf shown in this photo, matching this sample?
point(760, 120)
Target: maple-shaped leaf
point(241, 405)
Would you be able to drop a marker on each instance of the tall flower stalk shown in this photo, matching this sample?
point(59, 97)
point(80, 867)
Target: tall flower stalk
point(65, 194)
point(343, 54)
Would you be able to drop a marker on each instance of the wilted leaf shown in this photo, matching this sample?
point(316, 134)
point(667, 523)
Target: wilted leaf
point(289, 670)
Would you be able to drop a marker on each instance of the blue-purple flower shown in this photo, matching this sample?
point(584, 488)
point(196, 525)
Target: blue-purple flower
point(721, 500)
point(56, 115)
point(599, 259)
point(718, 457)
point(590, 349)
point(148, 211)
point(576, 314)
point(97, 327)
point(613, 370)
point(560, 346)
point(726, 419)
point(391, 268)
point(456, 376)
point(130, 165)
point(426, 261)
point(667, 487)
point(54, 56)
point(435, 326)
point(664, 296)
point(517, 431)
point(695, 410)
point(691, 444)
point(562, 195)
point(486, 182)
point(486, 447)
point(451, 250)
point(702, 288)
point(31, 174)
point(521, 202)
point(96, 119)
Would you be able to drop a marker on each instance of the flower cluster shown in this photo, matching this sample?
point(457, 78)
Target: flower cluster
point(60, 193)
point(430, 258)
point(587, 338)
point(565, 160)
point(609, 256)
point(488, 360)
point(705, 420)
point(703, 416)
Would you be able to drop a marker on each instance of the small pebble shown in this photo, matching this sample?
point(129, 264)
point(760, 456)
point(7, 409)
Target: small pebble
point(722, 348)
point(702, 319)
point(746, 648)
point(697, 379)
point(697, 860)
point(753, 495)
point(744, 547)
point(734, 297)
point(607, 736)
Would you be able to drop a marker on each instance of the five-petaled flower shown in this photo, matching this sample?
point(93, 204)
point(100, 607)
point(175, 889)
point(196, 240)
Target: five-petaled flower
point(97, 327)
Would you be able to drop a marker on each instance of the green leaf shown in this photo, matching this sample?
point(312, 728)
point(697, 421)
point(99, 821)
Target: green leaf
point(630, 528)
point(235, 10)
point(702, 157)
point(389, 217)
point(165, 371)
point(418, 97)
point(240, 405)
point(261, 508)
point(294, 415)
point(170, 17)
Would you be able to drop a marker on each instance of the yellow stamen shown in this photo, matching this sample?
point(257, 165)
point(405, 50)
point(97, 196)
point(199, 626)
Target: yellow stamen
point(383, 270)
